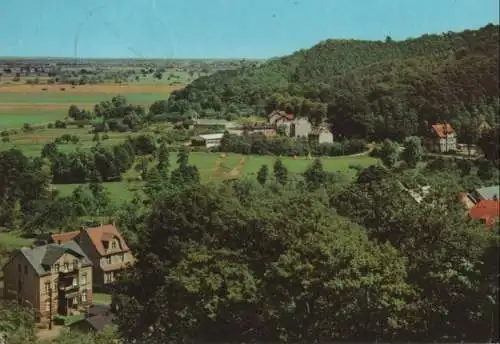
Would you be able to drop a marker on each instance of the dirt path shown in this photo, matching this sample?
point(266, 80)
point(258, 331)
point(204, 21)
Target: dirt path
point(217, 166)
point(237, 170)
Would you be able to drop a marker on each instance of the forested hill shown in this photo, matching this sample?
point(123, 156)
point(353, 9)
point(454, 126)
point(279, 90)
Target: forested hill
point(373, 89)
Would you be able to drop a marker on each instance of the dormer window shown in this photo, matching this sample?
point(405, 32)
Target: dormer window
point(75, 264)
point(105, 244)
point(56, 267)
point(113, 244)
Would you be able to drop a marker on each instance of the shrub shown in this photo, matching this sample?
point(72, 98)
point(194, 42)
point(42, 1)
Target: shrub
point(27, 127)
point(60, 124)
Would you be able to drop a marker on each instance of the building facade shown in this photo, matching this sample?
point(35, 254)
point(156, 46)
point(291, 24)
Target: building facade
point(106, 249)
point(207, 141)
point(52, 279)
point(443, 139)
point(321, 136)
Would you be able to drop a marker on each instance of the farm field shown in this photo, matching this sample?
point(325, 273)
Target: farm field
point(21, 104)
point(213, 168)
point(31, 144)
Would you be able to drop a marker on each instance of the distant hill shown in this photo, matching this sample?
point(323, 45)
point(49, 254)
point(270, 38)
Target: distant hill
point(373, 89)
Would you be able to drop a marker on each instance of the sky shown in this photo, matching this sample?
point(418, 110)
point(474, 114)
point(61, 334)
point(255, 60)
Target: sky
point(220, 28)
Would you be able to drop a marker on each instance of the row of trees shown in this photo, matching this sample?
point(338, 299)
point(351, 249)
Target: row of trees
point(30, 204)
point(100, 163)
point(261, 145)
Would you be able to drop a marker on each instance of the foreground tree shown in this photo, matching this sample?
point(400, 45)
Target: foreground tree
point(287, 265)
point(16, 323)
point(443, 250)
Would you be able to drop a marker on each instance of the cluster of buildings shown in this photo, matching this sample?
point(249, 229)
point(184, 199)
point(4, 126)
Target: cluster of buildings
point(59, 275)
point(483, 204)
point(278, 122)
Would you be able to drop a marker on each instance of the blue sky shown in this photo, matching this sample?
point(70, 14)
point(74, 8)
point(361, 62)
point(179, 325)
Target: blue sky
point(220, 28)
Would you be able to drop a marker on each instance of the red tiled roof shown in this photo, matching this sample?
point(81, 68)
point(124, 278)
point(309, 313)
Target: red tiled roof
point(61, 238)
point(486, 210)
point(105, 233)
point(283, 114)
point(442, 129)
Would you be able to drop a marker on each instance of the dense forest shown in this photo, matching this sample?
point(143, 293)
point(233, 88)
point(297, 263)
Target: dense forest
point(369, 89)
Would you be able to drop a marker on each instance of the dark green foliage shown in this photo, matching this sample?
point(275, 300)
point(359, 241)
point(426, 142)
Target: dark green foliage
point(412, 151)
point(315, 175)
point(374, 90)
point(389, 153)
point(163, 159)
point(280, 172)
point(263, 174)
point(259, 144)
point(102, 162)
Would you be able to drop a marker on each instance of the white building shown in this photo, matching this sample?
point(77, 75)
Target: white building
point(321, 135)
point(207, 140)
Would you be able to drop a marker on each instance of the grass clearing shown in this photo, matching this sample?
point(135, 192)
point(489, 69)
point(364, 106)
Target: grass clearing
point(210, 170)
point(31, 144)
point(101, 299)
point(16, 117)
point(13, 240)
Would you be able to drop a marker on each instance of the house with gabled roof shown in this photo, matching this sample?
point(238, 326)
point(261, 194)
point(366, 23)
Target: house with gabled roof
point(291, 125)
point(106, 248)
point(443, 138)
point(52, 279)
point(486, 211)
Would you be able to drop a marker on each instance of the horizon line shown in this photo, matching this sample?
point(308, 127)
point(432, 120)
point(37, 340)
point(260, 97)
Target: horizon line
point(132, 58)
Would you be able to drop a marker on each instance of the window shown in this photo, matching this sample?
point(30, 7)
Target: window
point(108, 260)
point(113, 244)
point(56, 267)
point(84, 278)
point(66, 266)
point(84, 296)
point(108, 277)
point(47, 287)
point(55, 283)
point(74, 282)
point(75, 264)
point(122, 257)
point(47, 305)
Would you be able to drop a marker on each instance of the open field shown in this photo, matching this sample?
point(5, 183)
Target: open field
point(15, 117)
point(100, 88)
point(13, 240)
point(213, 168)
point(24, 103)
point(31, 144)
